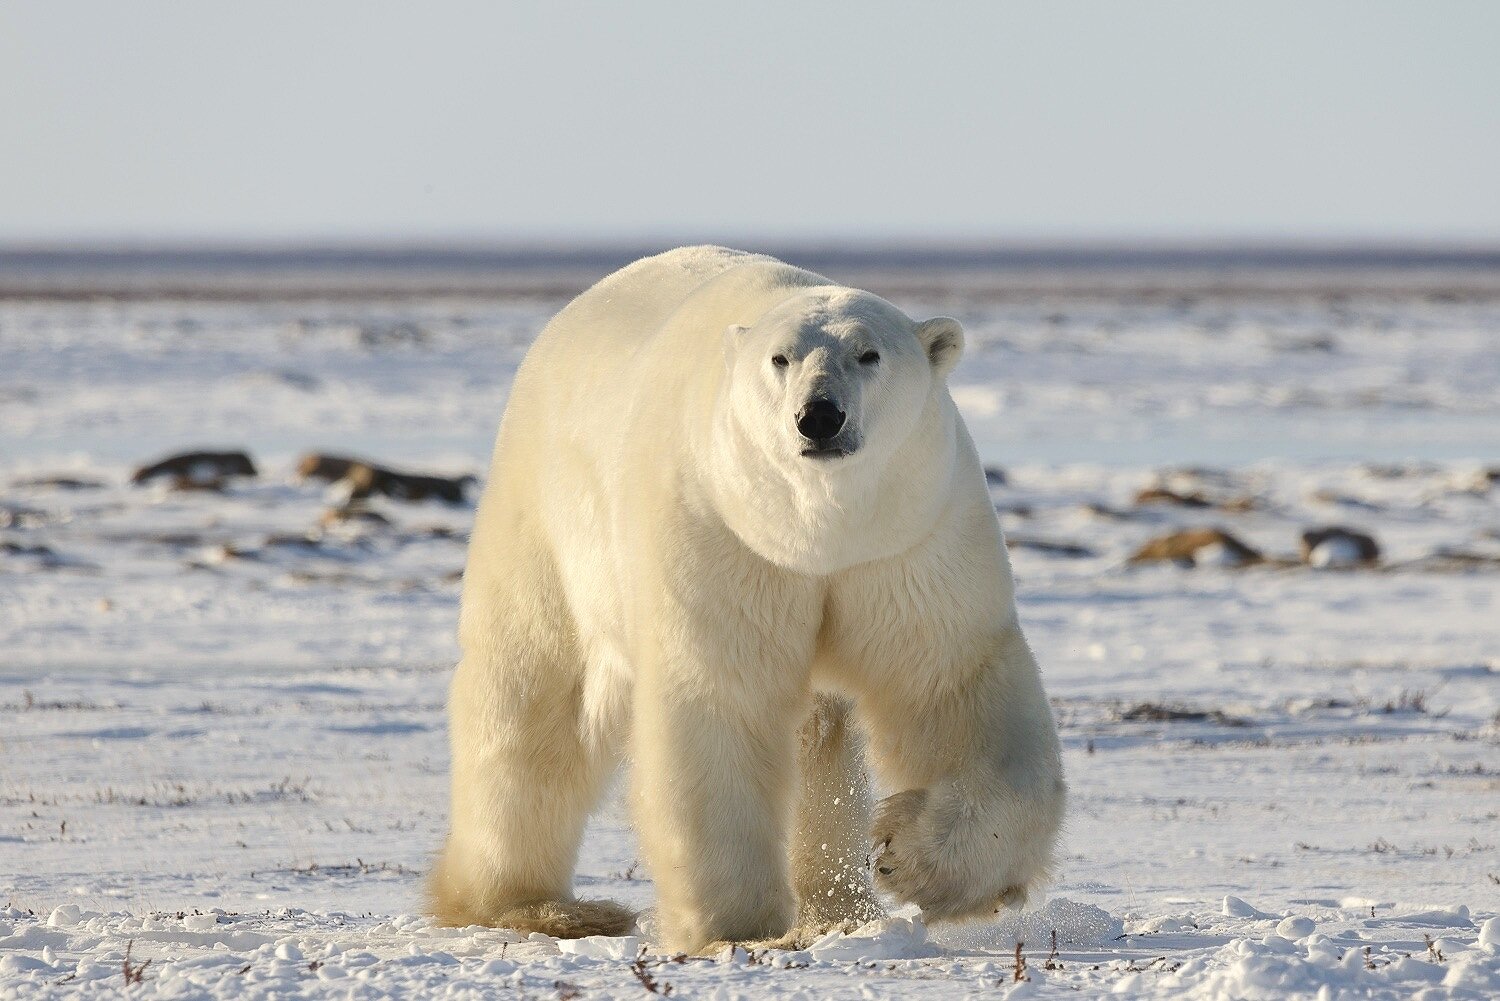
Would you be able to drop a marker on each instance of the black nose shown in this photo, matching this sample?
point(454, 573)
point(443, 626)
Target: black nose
point(820, 420)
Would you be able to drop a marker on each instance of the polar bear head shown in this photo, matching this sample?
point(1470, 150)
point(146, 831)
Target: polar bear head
point(834, 378)
point(835, 436)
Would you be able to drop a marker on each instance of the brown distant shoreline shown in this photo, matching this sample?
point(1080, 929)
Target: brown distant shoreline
point(241, 272)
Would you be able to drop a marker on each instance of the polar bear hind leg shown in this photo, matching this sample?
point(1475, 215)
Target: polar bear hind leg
point(526, 770)
point(830, 840)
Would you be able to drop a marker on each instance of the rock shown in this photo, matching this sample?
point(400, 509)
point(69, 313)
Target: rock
point(1240, 504)
point(202, 468)
point(1155, 712)
point(20, 549)
point(352, 514)
point(1113, 513)
point(1161, 495)
point(317, 466)
point(307, 544)
point(360, 479)
point(57, 483)
point(1198, 547)
point(1336, 546)
point(364, 480)
point(40, 557)
point(1071, 550)
point(186, 484)
point(226, 552)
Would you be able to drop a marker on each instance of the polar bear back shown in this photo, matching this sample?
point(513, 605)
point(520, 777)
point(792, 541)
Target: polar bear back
point(616, 371)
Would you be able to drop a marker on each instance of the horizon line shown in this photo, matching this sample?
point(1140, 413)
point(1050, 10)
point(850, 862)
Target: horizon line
point(936, 252)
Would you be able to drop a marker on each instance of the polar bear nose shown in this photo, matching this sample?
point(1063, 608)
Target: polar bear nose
point(820, 420)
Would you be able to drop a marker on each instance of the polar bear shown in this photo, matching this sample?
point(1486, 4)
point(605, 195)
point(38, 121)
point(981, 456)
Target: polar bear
point(736, 533)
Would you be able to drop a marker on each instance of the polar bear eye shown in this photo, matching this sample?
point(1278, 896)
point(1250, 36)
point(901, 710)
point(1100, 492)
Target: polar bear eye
point(779, 361)
point(869, 358)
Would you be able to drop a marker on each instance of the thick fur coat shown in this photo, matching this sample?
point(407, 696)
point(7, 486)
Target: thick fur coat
point(736, 533)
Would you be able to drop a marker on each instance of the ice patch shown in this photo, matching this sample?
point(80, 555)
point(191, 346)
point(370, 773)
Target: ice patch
point(1235, 907)
point(1075, 923)
point(1439, 917)
point(16, 963)
point(1296, 927)
point(891, 938)
point(65, 916)
point(601, 946)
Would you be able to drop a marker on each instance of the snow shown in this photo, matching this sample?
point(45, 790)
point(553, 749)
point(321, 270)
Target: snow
point(222, 747)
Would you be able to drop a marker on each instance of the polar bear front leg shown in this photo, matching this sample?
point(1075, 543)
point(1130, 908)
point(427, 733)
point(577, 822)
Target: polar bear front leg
point(959, 726)
point(981, 797)
point(720, 691)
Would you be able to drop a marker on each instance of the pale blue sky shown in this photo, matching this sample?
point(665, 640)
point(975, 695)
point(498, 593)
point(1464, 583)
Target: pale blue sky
point(995, 122)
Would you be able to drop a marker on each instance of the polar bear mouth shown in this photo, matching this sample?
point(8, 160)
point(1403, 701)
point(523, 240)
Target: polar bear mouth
point(831, 452)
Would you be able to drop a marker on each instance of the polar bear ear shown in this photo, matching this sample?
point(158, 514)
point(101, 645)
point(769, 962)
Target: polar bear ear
point(943, 340)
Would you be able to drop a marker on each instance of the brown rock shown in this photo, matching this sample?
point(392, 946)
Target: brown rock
point(352, 514)
point(1161, 495)
point(188, 484)
point(1184, 548)
point(365, 480)
point(317, 466)
point(198, 467)
point(1241, 504)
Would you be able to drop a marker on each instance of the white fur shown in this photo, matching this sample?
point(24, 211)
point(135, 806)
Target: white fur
point(658, 571)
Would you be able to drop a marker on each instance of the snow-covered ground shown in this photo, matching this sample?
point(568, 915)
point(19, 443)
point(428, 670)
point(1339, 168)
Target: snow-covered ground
point(222, 748)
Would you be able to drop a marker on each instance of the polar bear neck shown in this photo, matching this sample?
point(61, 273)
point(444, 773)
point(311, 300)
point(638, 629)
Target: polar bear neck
point(814, 519)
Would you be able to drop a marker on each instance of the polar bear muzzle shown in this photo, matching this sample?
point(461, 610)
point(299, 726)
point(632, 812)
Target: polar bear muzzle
point(819, 422)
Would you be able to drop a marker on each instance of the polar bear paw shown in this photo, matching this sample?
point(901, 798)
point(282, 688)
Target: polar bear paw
point(936, 850)
point(558, 918)
point(569, 918)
